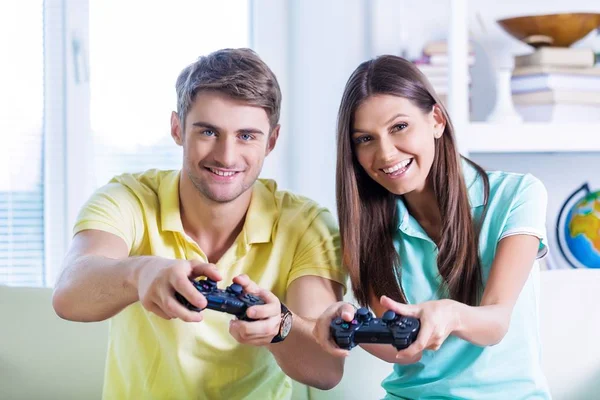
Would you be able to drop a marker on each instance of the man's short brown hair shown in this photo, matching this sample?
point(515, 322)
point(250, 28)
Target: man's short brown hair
point(238, 73)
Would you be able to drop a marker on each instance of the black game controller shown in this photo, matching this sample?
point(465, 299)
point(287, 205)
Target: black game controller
point(232, 300)
point(391, 328)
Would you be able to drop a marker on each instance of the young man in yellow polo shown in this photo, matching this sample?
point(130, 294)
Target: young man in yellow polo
point(139, 240)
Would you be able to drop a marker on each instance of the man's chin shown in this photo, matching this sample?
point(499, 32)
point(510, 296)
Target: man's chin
point(222, 196)
point(220, 192)
point(223, 199)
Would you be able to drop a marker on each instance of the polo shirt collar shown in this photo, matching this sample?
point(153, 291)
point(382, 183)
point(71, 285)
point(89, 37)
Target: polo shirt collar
point(260, 218)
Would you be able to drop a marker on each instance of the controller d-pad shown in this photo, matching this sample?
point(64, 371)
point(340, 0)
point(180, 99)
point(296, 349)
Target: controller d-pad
point(207, 283)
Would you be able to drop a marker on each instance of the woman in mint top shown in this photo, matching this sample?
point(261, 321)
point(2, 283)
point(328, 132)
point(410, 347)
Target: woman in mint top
point(430, 234)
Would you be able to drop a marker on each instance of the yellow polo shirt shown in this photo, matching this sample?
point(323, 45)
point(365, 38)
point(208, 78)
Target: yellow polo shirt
point(284, 237)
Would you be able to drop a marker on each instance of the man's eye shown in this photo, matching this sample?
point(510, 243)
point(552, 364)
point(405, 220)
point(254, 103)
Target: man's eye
point(208, 132)
point(246, 137)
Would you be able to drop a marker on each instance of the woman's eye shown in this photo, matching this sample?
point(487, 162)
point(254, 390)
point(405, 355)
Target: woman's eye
point(362, 139)
point(399, 127)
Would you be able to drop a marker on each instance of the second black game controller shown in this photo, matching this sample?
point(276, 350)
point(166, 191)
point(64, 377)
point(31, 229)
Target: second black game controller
point(231, 300)
point(391, 328)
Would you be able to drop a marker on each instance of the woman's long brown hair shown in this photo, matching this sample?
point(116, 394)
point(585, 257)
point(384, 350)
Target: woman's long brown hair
point(367, 211)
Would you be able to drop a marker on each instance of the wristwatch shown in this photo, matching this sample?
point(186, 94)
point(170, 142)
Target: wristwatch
point(285, 326)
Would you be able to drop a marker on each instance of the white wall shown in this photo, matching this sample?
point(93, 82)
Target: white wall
point(327, 44)
point(324, 42)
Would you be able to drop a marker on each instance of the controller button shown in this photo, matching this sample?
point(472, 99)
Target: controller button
point(236, 289)
point(354, 322)
point(338, 321)
point(345, 325)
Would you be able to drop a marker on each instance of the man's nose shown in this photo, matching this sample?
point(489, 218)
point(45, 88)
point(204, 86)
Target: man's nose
point(224, 153)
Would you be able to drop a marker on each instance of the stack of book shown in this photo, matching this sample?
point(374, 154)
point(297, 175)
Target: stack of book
point(434, 65)
point(555, 84)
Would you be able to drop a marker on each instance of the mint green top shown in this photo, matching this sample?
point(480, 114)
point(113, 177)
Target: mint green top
point(461, 370)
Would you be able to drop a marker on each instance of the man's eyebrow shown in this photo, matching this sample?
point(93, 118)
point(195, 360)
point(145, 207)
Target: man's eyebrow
point(201, 124)
point(244, 131)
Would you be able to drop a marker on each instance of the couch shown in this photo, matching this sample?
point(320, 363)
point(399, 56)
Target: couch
point(44, 357)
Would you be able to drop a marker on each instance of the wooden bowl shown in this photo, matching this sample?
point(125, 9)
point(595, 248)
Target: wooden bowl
point(556, 30)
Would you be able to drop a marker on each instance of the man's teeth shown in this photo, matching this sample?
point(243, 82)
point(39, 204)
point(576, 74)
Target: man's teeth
point(222, 173)
point(398, 166)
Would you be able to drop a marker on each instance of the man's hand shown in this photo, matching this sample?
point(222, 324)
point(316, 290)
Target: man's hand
point(158, 281)
point(267, 316)
point(322, 331)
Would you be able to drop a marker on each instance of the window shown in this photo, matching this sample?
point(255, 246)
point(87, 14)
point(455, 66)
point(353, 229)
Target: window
point(73, 64)
point(133, 69)
point(21, 149)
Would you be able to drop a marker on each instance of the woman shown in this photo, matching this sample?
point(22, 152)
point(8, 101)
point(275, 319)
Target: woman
point(429, 234)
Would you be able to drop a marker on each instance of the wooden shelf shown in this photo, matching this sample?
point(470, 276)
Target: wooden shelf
point(484, 137)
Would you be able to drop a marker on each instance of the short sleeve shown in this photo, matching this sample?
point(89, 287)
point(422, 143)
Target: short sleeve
point(527, 212)
point(318, 252)
point(114, 209)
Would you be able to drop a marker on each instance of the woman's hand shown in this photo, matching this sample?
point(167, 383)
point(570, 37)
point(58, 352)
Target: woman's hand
point(322, 331)
point(438, 318)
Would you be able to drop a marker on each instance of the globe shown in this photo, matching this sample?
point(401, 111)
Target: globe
point(581, 228)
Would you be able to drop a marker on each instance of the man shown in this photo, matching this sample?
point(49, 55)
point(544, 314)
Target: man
point(140, 238)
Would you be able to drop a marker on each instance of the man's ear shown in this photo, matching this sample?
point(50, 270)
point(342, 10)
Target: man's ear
point(273, 136)
point(439, 122)
point(176, 129)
